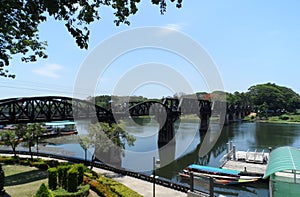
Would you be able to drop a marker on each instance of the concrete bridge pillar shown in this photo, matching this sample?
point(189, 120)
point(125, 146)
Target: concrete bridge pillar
point(239, 116)
point(226, 121)
point(166, 125)
point(204, 123)
point(166, 131)
point(230, 116)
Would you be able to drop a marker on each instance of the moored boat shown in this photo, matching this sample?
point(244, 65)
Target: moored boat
point(219, 175)
point(55, 129)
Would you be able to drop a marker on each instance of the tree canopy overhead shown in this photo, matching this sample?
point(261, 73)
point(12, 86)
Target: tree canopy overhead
point(19, 21)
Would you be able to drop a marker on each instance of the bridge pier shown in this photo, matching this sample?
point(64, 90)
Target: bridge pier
point(226, 122)
point(166, 131)
point(204, 123)
point(204, 115)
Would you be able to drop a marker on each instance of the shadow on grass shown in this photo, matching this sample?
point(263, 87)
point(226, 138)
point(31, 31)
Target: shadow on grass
point(25, 177)
point(6, 195)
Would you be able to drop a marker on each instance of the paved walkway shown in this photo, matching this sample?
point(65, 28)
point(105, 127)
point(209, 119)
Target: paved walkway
point(142, 187)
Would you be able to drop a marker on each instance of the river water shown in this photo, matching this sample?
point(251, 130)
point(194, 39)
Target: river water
point(188, 148)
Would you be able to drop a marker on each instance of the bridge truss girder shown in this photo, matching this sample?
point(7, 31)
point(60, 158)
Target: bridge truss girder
point(46, 109)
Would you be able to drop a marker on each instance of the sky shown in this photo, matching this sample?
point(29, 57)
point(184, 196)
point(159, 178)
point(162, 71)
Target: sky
point(250, 42)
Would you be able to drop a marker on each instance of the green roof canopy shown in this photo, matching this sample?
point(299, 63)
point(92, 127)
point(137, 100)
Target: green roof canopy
point(283, 158)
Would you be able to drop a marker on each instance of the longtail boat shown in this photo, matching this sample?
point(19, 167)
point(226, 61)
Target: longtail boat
point(219, 175)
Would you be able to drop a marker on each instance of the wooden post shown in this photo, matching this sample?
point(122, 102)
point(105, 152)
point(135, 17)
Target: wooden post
point(153, 176)
point(211, 187)
point(192, 181)
point(228, 150)
point(233, 152)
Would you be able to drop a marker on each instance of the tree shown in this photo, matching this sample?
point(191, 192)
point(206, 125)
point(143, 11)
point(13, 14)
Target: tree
point(274, 96)
point(11, 138)
point(31, 133)
point(109, 140)
point(19, 21)
point(85, 144)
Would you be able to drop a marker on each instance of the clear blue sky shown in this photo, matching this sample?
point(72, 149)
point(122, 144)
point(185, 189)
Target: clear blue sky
point(250, 41)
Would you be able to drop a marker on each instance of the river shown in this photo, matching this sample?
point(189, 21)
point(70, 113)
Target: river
point(188, 145)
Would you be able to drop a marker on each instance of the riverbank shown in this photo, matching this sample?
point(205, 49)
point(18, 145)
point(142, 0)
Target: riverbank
point(282, 119)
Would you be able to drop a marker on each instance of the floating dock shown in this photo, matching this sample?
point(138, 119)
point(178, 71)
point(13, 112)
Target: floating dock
point(248, 168)
point(250, 163)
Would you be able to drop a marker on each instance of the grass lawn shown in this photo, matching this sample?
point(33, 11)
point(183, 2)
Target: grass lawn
point(23, 180)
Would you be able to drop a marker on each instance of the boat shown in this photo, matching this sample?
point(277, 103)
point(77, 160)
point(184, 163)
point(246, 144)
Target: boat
point(219, 175)
point(54, 129)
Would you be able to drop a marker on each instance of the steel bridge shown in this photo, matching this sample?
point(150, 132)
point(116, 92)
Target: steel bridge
point(55, 108)
point(166, 111)
point(50, 108)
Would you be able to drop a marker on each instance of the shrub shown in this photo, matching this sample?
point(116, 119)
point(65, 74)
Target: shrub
point(284, 117)
point(100, 189)
point(24, 162)
point(72, 180)
point(62, 175)
point(43, 191)
point(83, 190)
point(2, 177)
point(11, 160)
point(107, 187)
point(52, 163)
point(80, 168)
point(52, 178)
point(40, 164)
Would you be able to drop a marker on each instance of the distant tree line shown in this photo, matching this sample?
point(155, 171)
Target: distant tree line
point(262, 97)
point(267, 97)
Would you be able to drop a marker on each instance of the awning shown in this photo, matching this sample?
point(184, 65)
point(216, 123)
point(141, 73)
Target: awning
point(283, 158)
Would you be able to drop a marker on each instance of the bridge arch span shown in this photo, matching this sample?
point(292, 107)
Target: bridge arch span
point(50, 108)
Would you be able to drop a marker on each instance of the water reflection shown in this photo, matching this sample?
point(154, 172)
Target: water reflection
point(276, 135)
point(185, 149)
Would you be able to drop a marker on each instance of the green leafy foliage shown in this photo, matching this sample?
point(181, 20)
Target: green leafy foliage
point(11, 138)
point(19, 22)
point(30, 133)
point(2, 178)
point(52, 178)
point(82, 190)
point(80, 169)
point(72, 180)
point(43, 191)
point(273, 97)
point(62, 175)
point(104, 186)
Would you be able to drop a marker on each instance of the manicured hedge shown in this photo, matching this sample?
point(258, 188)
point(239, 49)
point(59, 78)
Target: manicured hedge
point(72, 180)
point(43, 191)
point(62, 175)
point(83, 191)
point(52, 178)
point(80, 168)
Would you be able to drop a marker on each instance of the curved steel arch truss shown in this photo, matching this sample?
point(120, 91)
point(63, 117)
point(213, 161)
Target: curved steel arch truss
point(50, 108)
